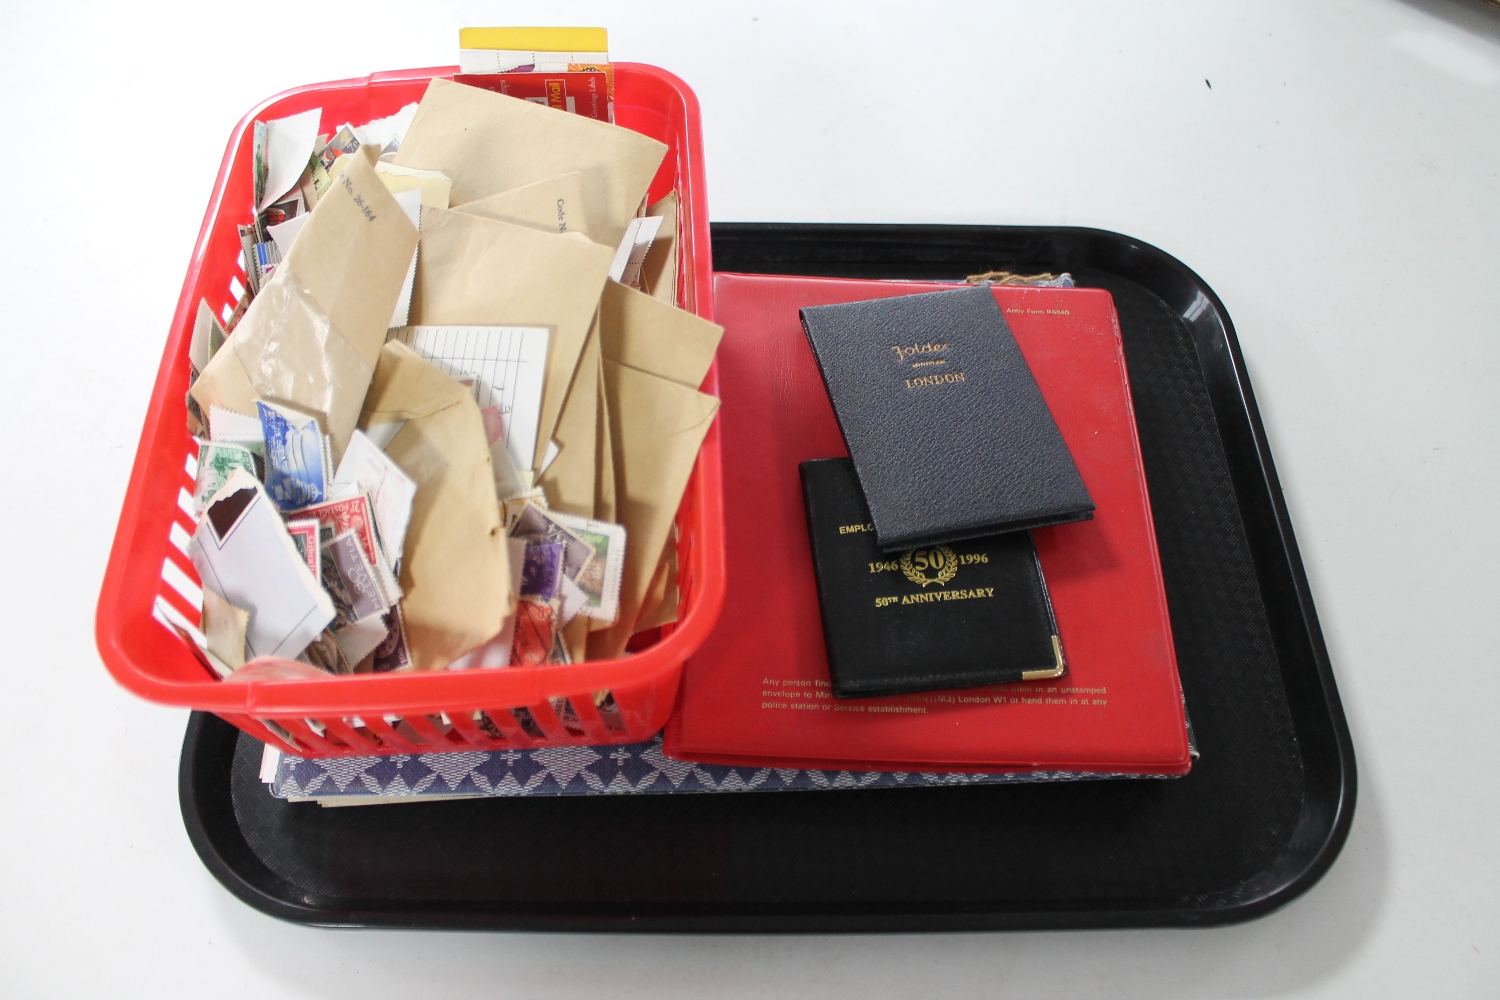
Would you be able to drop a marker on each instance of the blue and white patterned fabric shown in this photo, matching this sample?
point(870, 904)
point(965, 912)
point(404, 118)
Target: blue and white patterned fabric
point(629, 769)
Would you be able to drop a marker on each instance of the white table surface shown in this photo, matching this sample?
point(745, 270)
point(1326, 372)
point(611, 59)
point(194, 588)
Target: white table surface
point(1338, 184)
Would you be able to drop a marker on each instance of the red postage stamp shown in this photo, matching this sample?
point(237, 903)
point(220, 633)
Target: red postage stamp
point(304, 534)
point(347, 515)
point(533, 636)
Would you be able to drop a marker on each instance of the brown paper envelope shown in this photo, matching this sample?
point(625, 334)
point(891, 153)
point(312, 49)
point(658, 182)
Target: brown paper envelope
point(569, 480)
point(343, 263)
point(313, 335)
point(657, 428)
point(604, 458)
point(482, 272)
point(659, 269)
point(488, 143)
point(225, 383)
point(655, 603)
point(434, 185)
point(663, 608)
point(604, 471)
point(554, 205)
point(455, 570)
point(641, 332)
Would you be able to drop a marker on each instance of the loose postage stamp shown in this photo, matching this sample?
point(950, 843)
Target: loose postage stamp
point(217, 461)
point(355, 514)
point(609, 710)
point(534, 523)
point(340, 516)
point(567, 715)
point(534, 630)
point(541, 570)
point(304, 532)
point(600, 579)
point(324, 653)
point(368, 470)
point(296, 457)
point(350, 580)
point(231, 427)
point(392, 654)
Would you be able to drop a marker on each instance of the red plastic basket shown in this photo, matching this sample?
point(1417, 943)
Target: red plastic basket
point(150, 583)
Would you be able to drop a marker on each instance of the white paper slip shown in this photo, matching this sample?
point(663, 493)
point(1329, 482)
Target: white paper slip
point(365, 468)
point(509, 481)
point(270, 758)
point(386, 133)
point(243, 553)
point(359, 640)
point(508, 365)
point(381, 435)
point(289, 145)
point(411, 206)
point(632, 250)
point(236, 428)
point(549, 456)
point(283, 234)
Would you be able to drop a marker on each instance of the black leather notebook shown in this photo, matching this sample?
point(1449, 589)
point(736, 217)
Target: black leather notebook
point(947, 428)
point(947, 616)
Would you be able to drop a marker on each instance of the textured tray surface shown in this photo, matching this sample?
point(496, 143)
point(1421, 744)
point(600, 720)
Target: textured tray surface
point(1260, 817)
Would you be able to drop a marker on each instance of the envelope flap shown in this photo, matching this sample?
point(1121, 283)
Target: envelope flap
point(657, 427)
point(642, 332)
point(477, 271)
point(455, 567)
point(554, 205)
point(354, 252)
point(488, 143)
point(407, 387)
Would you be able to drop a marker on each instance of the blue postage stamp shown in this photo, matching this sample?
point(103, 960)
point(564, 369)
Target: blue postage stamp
point(296, 463)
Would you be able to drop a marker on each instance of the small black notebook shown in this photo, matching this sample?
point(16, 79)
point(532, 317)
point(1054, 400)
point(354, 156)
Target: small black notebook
point(946, 426)
point(947, 616)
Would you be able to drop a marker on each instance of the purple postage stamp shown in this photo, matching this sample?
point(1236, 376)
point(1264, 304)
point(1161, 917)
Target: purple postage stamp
point(537, 525)
point(392, 654)
point(541, 570)
point(350, 580)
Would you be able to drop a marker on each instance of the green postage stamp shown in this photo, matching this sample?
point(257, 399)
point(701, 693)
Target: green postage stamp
point(217, 461)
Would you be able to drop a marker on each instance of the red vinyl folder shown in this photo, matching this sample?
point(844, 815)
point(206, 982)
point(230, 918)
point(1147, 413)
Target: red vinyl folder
point(590, 94)
point(757, 692)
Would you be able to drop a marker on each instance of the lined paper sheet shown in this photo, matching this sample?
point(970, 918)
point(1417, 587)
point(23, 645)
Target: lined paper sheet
point(508, 365)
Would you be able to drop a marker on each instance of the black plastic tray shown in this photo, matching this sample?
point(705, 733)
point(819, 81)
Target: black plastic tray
point(1259, 820)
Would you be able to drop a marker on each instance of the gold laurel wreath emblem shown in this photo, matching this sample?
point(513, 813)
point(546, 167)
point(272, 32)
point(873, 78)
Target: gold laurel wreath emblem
point(945, 571)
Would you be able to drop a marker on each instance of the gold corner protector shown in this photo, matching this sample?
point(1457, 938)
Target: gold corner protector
point(1058, 668)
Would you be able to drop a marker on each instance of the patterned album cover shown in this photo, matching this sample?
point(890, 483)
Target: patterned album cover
point(628, 769)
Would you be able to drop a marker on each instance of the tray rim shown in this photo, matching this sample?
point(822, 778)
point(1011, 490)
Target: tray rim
point(1317, 712)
